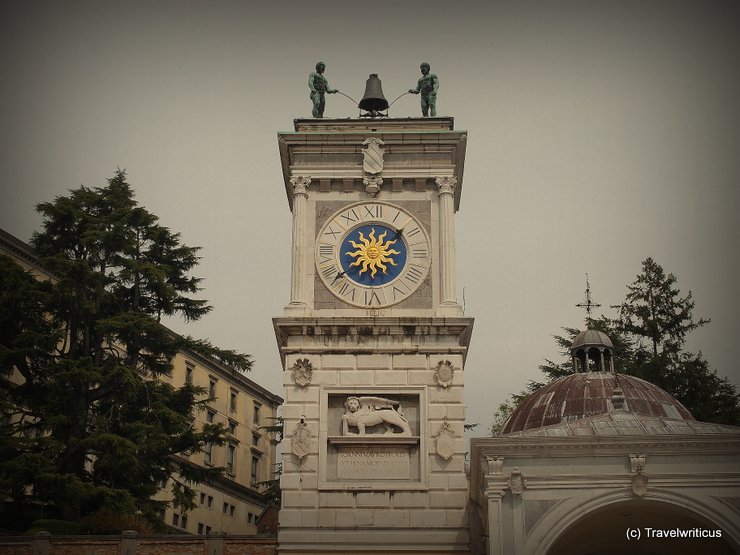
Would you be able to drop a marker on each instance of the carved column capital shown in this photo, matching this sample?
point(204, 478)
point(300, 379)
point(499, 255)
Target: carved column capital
point(300, 185)
point(446, 184)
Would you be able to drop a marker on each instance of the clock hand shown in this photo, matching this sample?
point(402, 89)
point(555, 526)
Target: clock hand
point(339, 274)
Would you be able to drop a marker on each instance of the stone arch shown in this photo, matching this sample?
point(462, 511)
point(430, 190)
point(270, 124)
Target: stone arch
point(556, 532)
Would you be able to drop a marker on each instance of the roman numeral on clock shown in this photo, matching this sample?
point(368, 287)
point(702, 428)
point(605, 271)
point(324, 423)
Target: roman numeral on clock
point(419, 253)
point(329, 272)
point(413, 274)
point(374, 211)
point(330, 231)
point(372, 299)
point(345, 289)
point(326, 252)
point(350, 217)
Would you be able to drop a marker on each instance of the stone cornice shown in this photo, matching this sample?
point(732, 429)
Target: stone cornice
point(371, 325)
point(345, 137)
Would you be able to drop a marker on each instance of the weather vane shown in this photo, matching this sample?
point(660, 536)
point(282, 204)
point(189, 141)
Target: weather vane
point(588, 305)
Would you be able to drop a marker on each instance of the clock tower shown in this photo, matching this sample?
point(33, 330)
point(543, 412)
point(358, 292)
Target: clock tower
point(373, 341)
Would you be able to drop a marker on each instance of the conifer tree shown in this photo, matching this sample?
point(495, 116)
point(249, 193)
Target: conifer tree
point(92, 424)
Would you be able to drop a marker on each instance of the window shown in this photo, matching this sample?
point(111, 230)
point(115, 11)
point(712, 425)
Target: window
point(184, 522)
point(255, 440)
point(255, 462)
point(251, 518)
point(175, 519)
point(230, 451)
point(256, 415)
point(210, 503)
point(229, 509)
point(232, 427)
point(210, 415)
point(207, 452)
point(232, 400)
point(203, 499)
point(201, 528)
point(212, 387)
point(189, 367)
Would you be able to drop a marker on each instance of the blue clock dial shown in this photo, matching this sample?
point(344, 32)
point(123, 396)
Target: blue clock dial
point(373, 254)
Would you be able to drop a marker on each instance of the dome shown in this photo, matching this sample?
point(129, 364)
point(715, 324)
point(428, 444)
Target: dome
point(587, 394)
point(592, 338)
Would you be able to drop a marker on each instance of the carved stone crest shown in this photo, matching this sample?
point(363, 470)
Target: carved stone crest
point(517, 482)
point(639, 478)
point(302, 372)
point(300, 441)
point(444, 373)
point(365, 412)
point(445, 441)
point(372, 161)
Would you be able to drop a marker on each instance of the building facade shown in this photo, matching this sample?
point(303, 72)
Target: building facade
point(600, 463)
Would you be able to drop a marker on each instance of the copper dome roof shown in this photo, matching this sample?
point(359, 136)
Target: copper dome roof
point(591, 338)
point(588, 394)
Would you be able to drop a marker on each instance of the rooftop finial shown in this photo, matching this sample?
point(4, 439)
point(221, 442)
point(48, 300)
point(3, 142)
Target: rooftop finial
point(588, 304)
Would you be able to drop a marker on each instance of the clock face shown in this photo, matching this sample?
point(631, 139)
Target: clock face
point(372, 254)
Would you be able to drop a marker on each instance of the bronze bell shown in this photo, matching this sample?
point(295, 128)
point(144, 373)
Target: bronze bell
point(373, 101)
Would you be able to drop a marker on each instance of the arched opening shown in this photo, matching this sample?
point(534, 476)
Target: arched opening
point(604, 532)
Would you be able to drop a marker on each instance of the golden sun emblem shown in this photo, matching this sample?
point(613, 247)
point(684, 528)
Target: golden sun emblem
point(373, 253)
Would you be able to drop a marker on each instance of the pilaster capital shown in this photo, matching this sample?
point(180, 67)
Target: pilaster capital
point(446, 184)
point(300, 185)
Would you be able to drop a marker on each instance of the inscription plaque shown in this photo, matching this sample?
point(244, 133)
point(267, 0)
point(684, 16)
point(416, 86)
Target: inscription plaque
point(373, 462)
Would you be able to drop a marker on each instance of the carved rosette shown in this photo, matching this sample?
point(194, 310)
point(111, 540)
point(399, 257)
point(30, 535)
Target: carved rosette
point(300, 440)
point(372, 184)
point(445, 441)
point(444, 373)
point(302, 371)
point(639, 478)
point(517, 481)
point(300, 185)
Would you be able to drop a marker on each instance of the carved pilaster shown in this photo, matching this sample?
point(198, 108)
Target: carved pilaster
point(300, 196)
point(446, 186)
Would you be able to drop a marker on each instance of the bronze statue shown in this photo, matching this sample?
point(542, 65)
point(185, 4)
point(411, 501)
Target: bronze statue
point(319, 85)
point(427, 86)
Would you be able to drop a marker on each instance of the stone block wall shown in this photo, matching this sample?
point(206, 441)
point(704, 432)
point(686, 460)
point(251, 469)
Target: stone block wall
point(436, 500)
point(131, 544)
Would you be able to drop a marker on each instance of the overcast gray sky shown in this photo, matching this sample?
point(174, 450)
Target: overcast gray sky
point(600, 133)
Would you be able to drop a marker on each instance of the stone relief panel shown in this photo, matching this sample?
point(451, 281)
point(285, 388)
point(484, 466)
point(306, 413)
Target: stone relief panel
point(373, 438)
point(361, 413)
point(386, 415)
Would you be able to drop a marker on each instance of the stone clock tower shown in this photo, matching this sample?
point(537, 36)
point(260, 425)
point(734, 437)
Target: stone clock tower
point(373, 341)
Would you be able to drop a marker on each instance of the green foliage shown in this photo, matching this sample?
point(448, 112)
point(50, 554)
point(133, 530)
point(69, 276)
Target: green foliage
point(93, 426)
point(649, 336)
